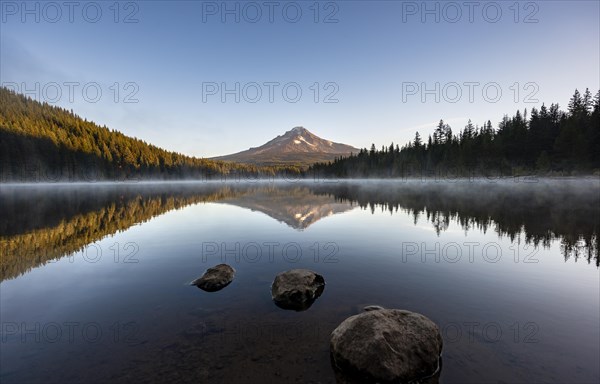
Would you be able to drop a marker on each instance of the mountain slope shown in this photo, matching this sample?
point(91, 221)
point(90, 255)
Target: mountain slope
point(40, 142)
point(296, 146)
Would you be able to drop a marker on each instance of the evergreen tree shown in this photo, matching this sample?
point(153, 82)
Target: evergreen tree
point(588, 102)
point(417, 142)
point(576, 104)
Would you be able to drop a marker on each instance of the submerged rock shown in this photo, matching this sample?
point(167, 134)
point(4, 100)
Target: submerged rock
point(215, 278)
point(372, 308)
point(386, 346)
point(297, 289)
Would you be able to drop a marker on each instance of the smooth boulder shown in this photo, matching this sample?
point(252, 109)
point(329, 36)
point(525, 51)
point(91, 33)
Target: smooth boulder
point(297, 289)
point(215, 278)
point(386, 346)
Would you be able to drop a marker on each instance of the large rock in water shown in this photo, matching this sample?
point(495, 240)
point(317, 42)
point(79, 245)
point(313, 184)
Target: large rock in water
point(215, 278)
point(386, 346)
point(297, 289)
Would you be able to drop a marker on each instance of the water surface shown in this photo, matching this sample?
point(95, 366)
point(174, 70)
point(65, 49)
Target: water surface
point(95, 277)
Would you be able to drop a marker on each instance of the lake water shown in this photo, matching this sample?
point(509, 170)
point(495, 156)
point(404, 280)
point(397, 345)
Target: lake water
point(95, 277)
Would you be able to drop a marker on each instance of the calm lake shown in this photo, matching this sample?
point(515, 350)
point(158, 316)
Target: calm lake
point(95, 277)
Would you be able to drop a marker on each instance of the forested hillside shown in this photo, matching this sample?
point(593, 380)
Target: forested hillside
point(40, 142)
point(544, 141)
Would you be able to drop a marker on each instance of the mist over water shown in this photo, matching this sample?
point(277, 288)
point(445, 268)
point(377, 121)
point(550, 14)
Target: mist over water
point(501, 266)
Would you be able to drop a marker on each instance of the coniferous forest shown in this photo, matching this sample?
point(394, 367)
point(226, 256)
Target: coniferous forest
point(544, 141)
point(40, 142)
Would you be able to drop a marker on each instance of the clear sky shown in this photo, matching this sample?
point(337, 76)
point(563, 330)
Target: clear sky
point(173, 62)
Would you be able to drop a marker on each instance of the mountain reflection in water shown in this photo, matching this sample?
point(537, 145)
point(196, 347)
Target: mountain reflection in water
point(43, 223)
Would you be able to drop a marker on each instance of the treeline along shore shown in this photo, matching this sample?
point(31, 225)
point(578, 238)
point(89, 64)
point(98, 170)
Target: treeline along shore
point(544, 141)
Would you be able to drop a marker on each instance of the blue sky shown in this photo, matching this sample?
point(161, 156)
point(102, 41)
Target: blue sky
point(371, 60)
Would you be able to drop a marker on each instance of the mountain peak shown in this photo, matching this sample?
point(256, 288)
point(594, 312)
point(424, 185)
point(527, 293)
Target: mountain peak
point(296, 146)
point(298, 130)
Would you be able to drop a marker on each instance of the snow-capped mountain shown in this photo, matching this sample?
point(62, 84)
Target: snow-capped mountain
point(296, 146)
